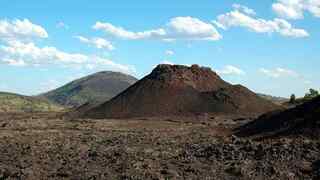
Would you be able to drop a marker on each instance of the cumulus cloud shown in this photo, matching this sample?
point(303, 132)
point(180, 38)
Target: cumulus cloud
point(279, 72)
point(18, 53)
point(20, 29)
point(294, 9)
point(14, 62)
point(178, 28)
point(237, 18)
point(231, 70)
point(36, 55)
point(284, 73)
point(244, 9)
point(125, 34)
point(18, 48)
point(97, 42)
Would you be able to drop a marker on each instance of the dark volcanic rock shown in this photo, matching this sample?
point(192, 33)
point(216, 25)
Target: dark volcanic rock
point(44, 147)
point(181, 90)
point(301, 120)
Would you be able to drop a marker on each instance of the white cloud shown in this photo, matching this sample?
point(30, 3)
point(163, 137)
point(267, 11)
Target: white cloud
point(287, 11)
point(178, 28)
point(163, 62)
point(169, 40)
point(30, 53)
point(17, 48)
point(98, 62)
point(20, 53)
point(169, 52)
point(14, 62)
point(279, 72)
point(191, 28)
point(90, 66)
point(166, 62)
point(244, 9)
point(62, 25)
point(236, 18)
point(20, 29)
point(231, 70)
point(294, 9)
point(97, 42)
point(125, 34)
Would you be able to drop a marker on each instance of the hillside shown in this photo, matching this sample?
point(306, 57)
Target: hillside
point(274, 99)
point(302, 120)
point(94, 88)
point(181, 90)
point(10, 102)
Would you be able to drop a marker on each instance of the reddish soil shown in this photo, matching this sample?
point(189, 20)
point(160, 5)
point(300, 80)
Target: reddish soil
point(180, 90)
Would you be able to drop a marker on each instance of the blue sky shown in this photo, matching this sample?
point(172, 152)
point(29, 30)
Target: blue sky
point(269, 46)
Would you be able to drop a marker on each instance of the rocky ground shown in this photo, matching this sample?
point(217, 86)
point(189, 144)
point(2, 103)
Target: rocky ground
point(44, 146)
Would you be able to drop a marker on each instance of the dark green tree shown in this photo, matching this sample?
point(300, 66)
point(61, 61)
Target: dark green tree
point(312, 94)
point(293, 98)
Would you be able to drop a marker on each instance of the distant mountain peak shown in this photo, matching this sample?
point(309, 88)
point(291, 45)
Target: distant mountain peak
point(95, 88)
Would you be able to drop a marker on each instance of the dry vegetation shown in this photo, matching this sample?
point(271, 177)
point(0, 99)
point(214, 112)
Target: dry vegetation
point(10, 102)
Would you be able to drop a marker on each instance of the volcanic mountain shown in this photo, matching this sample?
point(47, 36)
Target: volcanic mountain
point(94, 88)
point(180, 90)
point(302, 120)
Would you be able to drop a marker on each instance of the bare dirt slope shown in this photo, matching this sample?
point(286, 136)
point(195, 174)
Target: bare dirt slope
point(181, 90)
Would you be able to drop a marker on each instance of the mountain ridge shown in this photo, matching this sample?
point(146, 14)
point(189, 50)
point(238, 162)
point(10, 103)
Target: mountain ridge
point(92, 88)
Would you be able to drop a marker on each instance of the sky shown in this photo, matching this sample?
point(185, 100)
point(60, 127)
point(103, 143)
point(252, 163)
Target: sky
point(269, 46)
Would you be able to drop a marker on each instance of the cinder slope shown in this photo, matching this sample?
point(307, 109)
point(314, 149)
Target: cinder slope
point(180, 90)
point(302, 120)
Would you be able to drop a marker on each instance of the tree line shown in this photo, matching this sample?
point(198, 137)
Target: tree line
point(308, 96)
